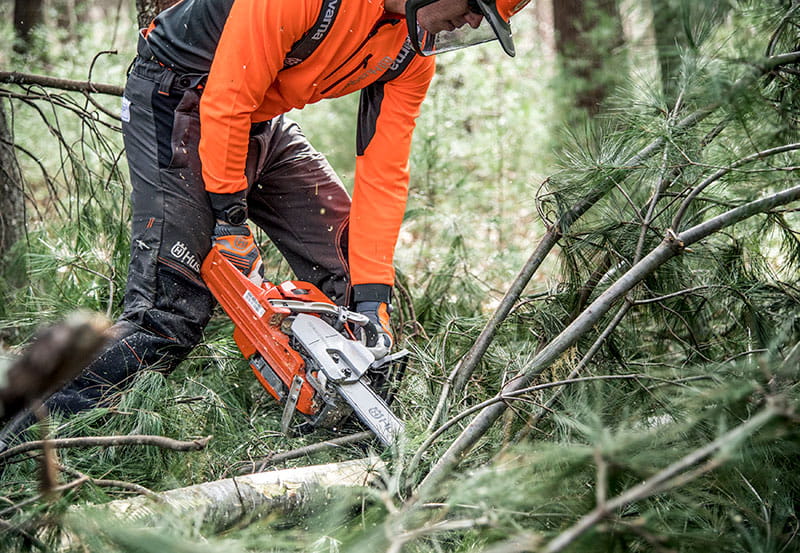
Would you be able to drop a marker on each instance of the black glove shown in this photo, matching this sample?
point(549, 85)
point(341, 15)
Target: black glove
point(232, 236)
point(377, 333)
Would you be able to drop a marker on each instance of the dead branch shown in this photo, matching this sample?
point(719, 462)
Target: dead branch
point(105, 483)
point(59, 353)
point(670, 247)
point(109, 441)
point(15, 77)
point(258, 465)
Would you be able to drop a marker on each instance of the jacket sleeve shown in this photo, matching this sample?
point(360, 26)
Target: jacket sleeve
point(254, 42)
point(387, 117)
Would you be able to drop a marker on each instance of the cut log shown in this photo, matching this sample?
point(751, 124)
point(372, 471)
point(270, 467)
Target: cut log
point(222, 504)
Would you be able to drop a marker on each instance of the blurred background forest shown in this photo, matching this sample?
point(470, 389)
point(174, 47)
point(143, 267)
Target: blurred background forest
point(598, 278)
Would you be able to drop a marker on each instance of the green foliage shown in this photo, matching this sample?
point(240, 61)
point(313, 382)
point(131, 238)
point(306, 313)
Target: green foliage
point(711, 338)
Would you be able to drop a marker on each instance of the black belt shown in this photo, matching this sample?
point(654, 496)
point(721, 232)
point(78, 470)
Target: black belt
point(169, 78)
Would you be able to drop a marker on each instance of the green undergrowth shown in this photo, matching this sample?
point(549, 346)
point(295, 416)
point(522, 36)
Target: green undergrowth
point(710, 339)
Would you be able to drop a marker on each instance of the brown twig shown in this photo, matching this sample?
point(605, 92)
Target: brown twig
point(58, 354)
point(134, 439)
point(258, 465)
point(105, 483)
point(15, 77)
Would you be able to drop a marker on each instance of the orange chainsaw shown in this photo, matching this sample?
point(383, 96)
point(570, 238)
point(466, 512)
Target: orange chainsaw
point(301, 349)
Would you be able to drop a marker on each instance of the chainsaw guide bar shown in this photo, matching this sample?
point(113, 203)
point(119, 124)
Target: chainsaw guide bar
point(301, 350)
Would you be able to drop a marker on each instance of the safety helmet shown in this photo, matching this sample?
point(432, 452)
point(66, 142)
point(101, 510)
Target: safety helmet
point(494, 26)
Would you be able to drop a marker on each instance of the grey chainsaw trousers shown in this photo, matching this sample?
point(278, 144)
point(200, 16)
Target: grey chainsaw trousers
point(294, 196)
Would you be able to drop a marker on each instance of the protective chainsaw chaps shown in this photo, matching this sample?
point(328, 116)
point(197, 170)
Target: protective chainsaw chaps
point(299, 346)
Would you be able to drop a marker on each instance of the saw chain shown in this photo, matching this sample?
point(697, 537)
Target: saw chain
point(300, 347)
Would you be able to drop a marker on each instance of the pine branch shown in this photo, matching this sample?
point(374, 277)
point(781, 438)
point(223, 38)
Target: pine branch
point(670, 247)
point(459, 376)
point(671, 477)
point(676, 221)
point(505, 397)
point(595, 347)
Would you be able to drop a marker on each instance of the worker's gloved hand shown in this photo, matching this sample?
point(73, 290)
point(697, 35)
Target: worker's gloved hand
point(232, 236)
point(236, 243)
point(377, 333)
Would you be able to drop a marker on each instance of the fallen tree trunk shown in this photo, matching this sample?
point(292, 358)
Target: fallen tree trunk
point(222, 504)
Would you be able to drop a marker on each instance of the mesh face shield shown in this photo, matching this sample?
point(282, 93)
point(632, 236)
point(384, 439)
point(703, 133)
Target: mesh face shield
point(492, 27)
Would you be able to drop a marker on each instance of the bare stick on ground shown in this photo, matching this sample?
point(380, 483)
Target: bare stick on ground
point(135, 439)
point(274, 459)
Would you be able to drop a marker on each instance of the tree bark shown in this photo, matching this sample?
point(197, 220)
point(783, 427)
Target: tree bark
point(222, 504)
point(12, 209)
point(148, 9)
point(670, 39)
point(27, 15)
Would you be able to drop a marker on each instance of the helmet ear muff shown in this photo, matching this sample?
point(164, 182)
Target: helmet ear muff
point(508, 8)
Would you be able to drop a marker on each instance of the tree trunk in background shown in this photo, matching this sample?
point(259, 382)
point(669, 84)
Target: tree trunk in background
point(670, 39)
point(148, 9)
point(27, 15)
point(11, 197)
point(587, 32)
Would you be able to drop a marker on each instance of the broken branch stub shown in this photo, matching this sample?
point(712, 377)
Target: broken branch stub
point(58, 353)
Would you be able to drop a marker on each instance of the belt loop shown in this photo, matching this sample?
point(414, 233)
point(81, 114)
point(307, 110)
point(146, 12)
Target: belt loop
point(167, 79)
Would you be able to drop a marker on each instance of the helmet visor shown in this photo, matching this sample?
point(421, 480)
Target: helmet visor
point(492, 27)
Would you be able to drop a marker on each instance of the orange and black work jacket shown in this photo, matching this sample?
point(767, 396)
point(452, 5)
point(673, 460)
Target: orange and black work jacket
point(246, 42)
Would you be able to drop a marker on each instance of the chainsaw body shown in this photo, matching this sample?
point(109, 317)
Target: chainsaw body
point(300, 348)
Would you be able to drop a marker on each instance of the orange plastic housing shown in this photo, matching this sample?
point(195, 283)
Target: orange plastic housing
point(258, 324)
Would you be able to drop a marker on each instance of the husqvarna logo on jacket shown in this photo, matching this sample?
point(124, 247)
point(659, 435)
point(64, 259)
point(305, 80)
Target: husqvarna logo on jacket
point(327, 19)
point(180, 252)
